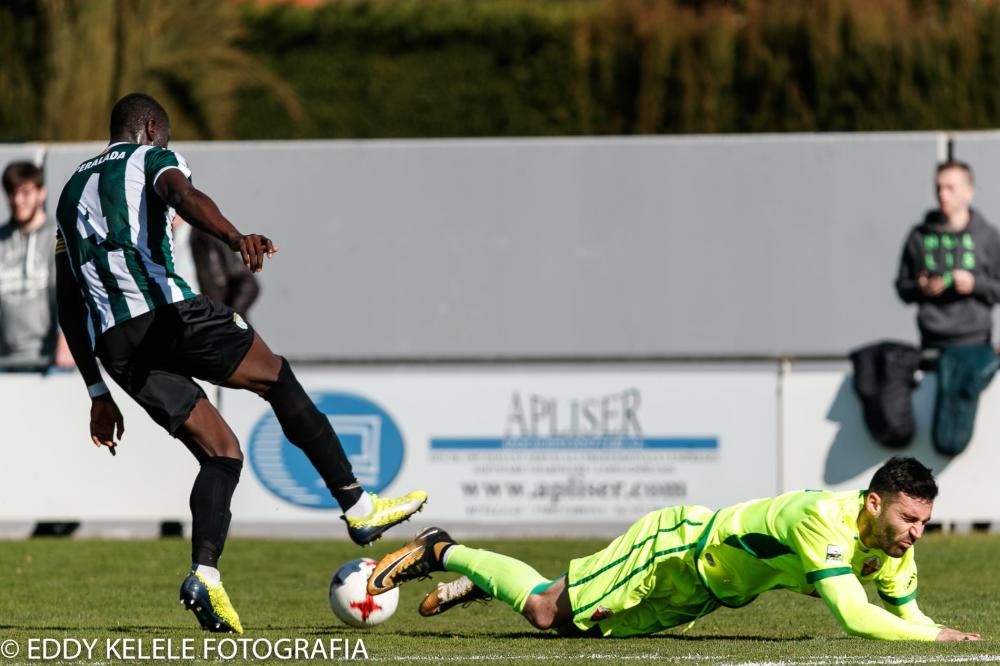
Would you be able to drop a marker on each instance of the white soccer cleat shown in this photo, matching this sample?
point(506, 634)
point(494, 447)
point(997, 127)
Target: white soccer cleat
point(448, 595)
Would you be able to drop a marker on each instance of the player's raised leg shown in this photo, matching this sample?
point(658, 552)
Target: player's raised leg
point(367, 515)
point(541, 601)
point(217, 450)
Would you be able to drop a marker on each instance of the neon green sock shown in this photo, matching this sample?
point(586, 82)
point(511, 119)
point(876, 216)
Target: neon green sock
point(505, 578)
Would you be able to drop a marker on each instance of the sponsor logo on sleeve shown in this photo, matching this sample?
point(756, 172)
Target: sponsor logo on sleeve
point(835, 553)
point(871, 565)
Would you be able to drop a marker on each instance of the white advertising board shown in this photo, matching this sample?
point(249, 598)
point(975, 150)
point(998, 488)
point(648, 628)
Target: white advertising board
point(826, 444)
point(560, 449)
point(51, 471)
point(523, 446)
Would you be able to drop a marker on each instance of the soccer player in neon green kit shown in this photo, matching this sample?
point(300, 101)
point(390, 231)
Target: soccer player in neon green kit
point(675, 565)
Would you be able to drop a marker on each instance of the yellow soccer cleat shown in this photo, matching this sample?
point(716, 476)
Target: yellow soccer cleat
point(387, 512)
point(210, 604)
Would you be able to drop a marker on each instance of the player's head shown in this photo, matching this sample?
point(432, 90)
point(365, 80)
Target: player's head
point(24, 185)
point(898, 505)
point(955, 186)
point(138, 118)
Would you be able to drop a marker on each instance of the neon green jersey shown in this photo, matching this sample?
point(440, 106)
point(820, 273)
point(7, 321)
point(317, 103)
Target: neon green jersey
point(807, 541)
point(792, 541)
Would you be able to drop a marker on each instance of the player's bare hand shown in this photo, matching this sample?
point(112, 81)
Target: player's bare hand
point(253, 248)
point(947, 634)
point(964, 281)
point(931, 285)
point(105, 420)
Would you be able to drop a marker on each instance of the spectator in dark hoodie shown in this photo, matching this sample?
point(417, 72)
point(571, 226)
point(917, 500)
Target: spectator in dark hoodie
point(222, 275)
point(951, 265)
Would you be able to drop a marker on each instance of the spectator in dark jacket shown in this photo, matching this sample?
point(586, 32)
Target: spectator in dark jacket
point(222, 276)
point(951, 265)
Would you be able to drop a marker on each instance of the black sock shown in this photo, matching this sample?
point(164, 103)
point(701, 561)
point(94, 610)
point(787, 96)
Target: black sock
point(210, 498)
point(309, 429)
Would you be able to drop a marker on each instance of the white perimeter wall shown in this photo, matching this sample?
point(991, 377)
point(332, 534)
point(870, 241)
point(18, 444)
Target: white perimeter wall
point(548, 449)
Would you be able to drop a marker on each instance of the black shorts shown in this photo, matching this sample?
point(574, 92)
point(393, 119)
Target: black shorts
point(154, 356)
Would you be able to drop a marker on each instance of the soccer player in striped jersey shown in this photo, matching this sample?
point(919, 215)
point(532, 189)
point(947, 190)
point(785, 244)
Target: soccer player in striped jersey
point(120, 300)
point(675, 565)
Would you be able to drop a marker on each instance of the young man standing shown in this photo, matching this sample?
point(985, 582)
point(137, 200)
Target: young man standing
point(950, 265)
point(29, 334)
point(120, 300)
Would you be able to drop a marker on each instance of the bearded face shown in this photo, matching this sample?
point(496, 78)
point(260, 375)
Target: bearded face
point(898, 521)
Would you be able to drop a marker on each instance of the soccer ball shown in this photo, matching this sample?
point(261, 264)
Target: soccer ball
point(349, 598)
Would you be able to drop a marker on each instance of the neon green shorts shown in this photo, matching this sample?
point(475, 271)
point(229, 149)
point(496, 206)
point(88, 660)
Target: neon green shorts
point(645, 580)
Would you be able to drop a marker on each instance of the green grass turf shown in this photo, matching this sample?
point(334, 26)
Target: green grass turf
point(104, 590)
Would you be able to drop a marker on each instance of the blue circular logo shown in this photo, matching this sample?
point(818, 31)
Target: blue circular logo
point(368, 434)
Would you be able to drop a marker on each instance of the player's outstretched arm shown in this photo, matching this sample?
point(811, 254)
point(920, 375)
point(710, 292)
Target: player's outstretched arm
point(909, 611)
point(198, 208)
point(912, 613)
point(846, 599)
point(105, 418)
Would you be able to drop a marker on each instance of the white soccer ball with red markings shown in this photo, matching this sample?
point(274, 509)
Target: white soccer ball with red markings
point(349, 598)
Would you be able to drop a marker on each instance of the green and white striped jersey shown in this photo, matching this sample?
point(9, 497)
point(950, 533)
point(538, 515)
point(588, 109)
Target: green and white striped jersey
point(115, 230)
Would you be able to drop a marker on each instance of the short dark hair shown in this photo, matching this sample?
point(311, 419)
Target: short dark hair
point(131, 113)
point(960, 165)
point(904, 475)
point(18, 173)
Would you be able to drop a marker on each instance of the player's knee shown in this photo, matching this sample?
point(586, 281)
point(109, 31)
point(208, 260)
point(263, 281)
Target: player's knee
point(212, 439)
point(229, 447)
point(234, 452)
point(540, 611)
point(284, 387)
point(300, 420)
point(231, 467)
point(220, 448)
point(271, 372)
point(259, 371)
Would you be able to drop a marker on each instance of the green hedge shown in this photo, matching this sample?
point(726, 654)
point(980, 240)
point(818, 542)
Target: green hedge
point(440, 68)
point(409, 68)
point(20, 76)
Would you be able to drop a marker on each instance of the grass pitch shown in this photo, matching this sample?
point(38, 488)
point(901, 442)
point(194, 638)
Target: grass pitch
point(110, 590)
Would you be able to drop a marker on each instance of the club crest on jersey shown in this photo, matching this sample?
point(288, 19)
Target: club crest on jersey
point(834, 553)
point(871, 565)
point(238, 320)
point(601, 613)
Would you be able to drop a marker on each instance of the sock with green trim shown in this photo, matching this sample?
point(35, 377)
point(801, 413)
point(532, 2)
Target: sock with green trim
point(505, 578)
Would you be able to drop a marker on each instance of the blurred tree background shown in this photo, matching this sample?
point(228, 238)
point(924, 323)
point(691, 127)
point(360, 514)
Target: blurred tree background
point(65, 63)
point(444, 68)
